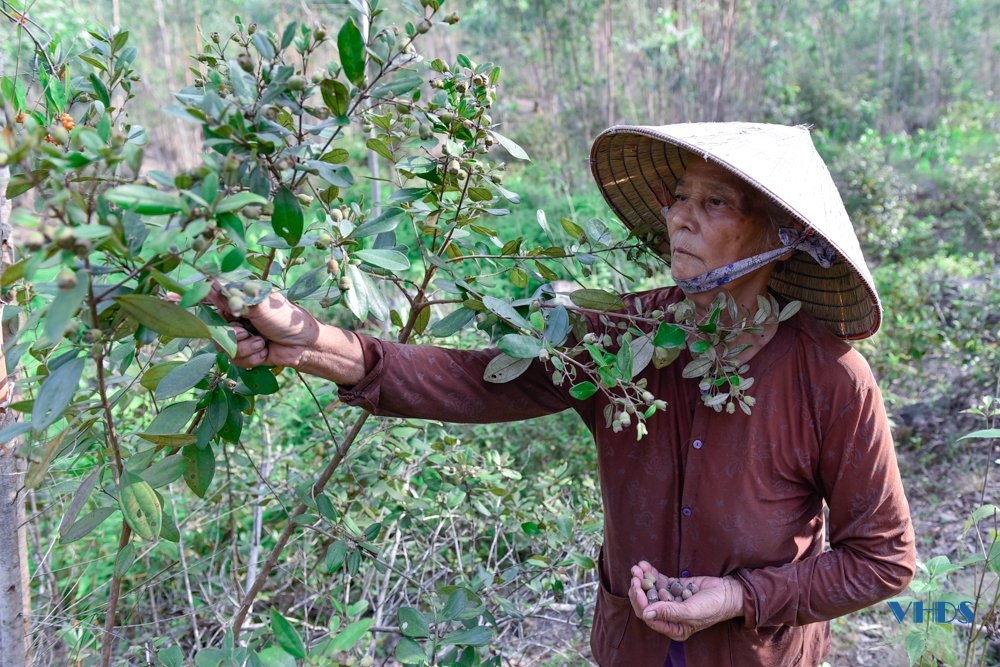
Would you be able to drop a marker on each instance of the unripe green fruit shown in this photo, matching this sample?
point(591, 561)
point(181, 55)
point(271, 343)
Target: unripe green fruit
point(200, 244)
point(245, 61)
point(64, 238)
point(344, 284)
point(66, 279)
point(423, 26)
point(333, 267)
point(454, 167)
point(296, 83)
point(304, 199)
point(336, 215)
point(33, 240)
point(215, 37)
point(325, 302)
point(426, 131)
point(236, 304)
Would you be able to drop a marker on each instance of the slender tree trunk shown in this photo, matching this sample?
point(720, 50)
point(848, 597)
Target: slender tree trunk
point(728, 26)
point(15, 601)
point(609, 45)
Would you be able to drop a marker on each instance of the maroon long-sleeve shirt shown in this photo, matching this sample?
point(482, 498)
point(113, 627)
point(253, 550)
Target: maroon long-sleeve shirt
point(707, 493)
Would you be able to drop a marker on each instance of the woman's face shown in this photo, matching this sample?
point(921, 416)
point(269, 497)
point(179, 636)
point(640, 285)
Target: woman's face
point(715, 219)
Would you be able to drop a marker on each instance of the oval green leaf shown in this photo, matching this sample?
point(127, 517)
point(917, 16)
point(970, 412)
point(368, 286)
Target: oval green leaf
point(287, 219)
point(412, 623)
point(163, 317)
point(55, 394)
point(287, 636)
point(140, 506)
point(596, 299)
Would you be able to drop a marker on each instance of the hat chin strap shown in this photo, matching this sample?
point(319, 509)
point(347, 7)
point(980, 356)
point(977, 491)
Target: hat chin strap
point(791, 239)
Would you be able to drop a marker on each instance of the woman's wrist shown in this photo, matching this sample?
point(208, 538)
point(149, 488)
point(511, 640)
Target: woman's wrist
point(336, 356)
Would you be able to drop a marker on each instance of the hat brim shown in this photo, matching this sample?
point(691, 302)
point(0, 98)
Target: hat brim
point(633, 165)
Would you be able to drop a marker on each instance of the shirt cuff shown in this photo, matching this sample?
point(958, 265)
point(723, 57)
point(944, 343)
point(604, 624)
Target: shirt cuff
point(365, 394)
point(751, 610)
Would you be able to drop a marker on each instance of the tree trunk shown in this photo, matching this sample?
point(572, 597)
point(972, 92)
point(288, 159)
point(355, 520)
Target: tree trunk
point(15, 599)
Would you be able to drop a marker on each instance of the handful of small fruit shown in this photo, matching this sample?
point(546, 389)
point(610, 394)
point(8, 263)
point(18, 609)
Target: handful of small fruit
point(669, 590)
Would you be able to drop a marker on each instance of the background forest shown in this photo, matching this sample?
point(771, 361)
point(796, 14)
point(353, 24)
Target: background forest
point(290, 529)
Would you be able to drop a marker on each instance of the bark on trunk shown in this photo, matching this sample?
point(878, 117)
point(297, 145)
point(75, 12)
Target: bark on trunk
point(14, 592)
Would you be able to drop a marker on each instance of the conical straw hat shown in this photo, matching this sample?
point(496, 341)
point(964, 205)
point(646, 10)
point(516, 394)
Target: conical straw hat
point(632, 164)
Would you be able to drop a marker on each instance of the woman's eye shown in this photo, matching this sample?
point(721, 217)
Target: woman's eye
point(680, 196)
point(716, 201)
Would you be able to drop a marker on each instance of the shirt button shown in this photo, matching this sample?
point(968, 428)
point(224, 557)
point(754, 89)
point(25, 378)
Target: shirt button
point(687, 511)
point(685, 573)
point(696, 444)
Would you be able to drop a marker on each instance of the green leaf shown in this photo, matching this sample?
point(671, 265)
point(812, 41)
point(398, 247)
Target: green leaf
point(504, 368)
point(379, 147)
point(557, 326)
point(196, 294)
point(583, 390)
point(64, 309)
point(510, 146)
point(173, 418)
point(477, 636)
point(307, 284)
point(450, 323)
point(274, 656)
point(287, 219)
point(979, 514)
point(504, 310)
point(596, 299)
point(401, 84)
point(165, 471)
point(455, 605)
point(238, 201)
point(387, 221)
point(140, 506)
point(287, 636)
point(571, 228)
point(642, 353)
point(336, 555)
point(335, 96)
point(385, 259)
point(351, 46)
point(172, 440)
point(669, 336)
point(260, 380)
point(200, 468)
point(623, 361)
point(124, 560)
point(163, 317)
point(185, 376)
point(412, 623)
point(351, 635)
point(409, 652)
point(357, 297)
point(520, 346)
point(86, 525)
point(145, 200)
point(55, 394)
point(987, 433)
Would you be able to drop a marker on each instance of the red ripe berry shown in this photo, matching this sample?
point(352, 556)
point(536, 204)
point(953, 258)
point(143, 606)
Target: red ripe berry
point(67, 122)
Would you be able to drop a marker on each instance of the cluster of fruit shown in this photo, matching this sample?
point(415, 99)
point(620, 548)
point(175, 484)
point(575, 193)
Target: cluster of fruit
point(671, 590)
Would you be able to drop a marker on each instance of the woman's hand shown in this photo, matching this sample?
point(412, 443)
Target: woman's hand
point(718, 599)
point(276, 332)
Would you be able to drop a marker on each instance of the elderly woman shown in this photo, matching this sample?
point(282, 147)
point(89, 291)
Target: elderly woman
point(735, 503)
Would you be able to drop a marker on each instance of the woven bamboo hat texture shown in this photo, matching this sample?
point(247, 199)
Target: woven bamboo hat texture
point(634, 164)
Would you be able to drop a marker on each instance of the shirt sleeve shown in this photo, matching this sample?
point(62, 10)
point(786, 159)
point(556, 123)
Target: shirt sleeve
point(872, 553)
point(427, 382)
